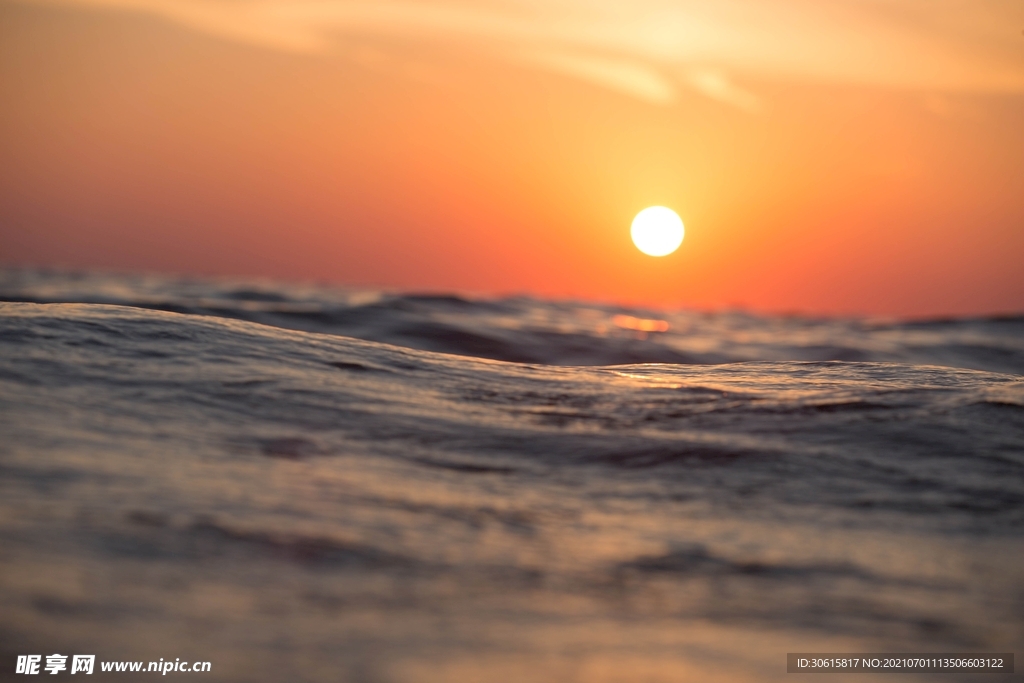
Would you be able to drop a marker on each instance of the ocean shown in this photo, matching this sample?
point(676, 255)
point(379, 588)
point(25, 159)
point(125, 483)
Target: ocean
point(312, 483)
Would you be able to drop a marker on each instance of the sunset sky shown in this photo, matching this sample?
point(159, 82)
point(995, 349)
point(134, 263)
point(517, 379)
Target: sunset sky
point(850, 156)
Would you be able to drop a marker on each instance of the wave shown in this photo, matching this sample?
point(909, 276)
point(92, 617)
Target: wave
point(296, 504)
point(530, 330)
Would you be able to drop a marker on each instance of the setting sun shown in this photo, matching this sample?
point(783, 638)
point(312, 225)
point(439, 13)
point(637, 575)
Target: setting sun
point(657, 231)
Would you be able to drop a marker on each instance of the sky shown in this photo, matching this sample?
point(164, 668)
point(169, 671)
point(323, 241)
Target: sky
point(841, 157)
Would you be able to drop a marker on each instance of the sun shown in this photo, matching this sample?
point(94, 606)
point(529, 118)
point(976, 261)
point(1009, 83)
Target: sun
point(657, 231)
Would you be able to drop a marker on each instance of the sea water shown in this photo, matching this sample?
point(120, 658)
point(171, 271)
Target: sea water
point(307, 483)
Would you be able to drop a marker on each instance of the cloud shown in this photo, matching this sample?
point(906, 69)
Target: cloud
point(933, 45)
point(716, 85)
point(627, 77)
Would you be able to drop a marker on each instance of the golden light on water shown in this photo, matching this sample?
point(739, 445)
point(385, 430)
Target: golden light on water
point(628, 322)
point(657, 231)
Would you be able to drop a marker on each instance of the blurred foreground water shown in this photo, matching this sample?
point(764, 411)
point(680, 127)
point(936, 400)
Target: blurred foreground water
point(292, 505)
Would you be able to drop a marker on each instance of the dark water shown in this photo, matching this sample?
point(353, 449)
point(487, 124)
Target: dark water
point(529, 330)
point(291, 505)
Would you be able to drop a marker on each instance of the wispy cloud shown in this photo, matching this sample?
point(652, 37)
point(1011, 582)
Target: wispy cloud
point(716, 85)
point(629, 77)
point(633, 47)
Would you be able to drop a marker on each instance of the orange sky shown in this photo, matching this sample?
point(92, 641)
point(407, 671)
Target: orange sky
point(860, 156)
